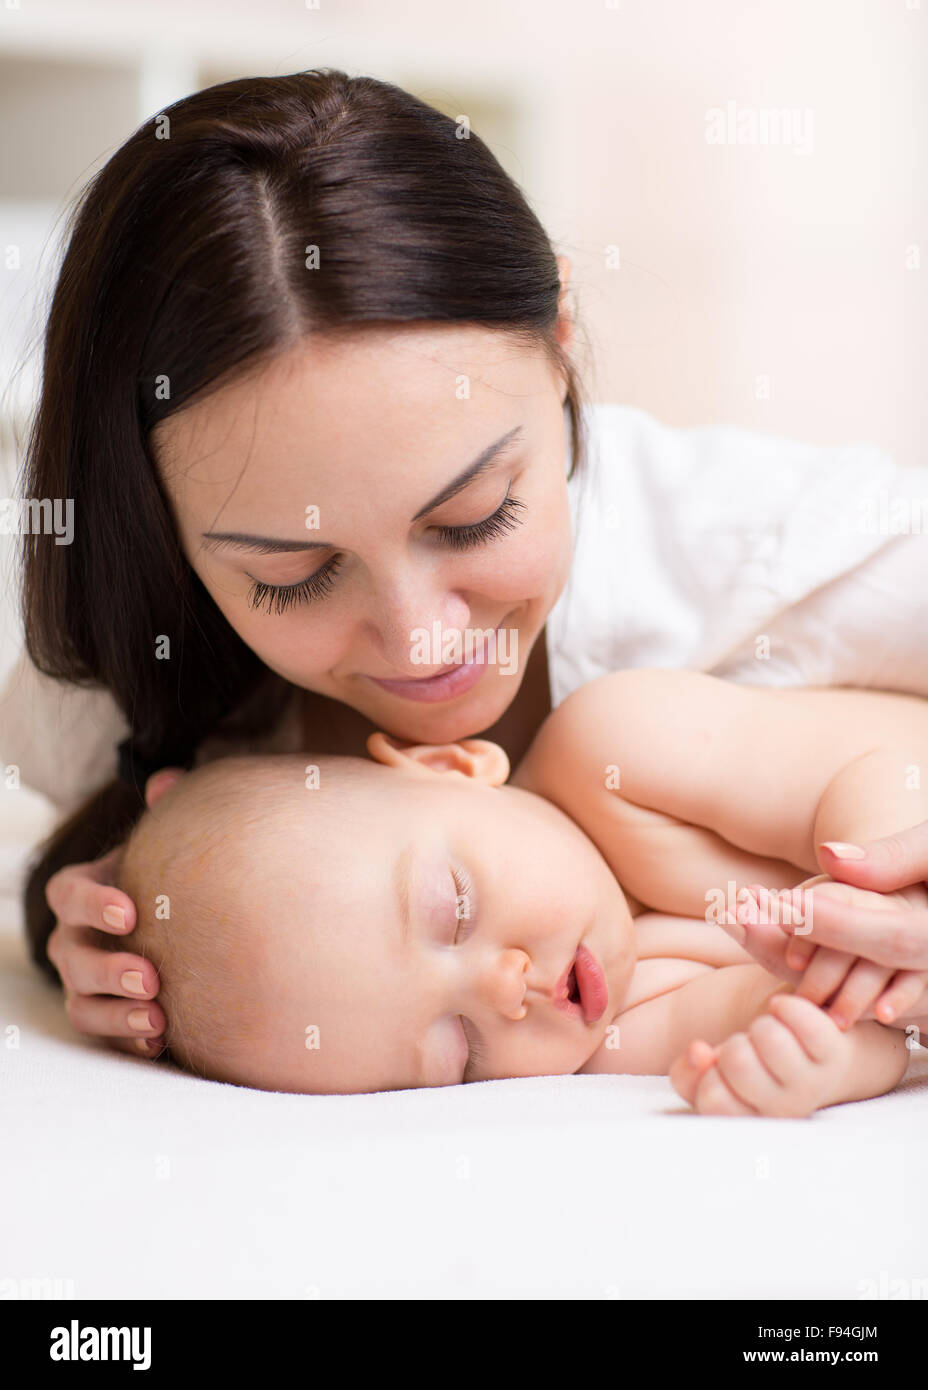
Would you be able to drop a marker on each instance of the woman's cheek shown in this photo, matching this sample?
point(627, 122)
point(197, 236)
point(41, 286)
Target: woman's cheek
point(526, 565)
point(302, 649)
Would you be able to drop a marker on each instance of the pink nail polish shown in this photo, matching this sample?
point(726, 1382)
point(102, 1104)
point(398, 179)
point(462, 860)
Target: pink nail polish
point(841, 850)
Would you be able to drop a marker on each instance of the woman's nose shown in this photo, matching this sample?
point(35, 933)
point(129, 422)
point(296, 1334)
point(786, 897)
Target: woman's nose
point(410, 620)
point(502, 984)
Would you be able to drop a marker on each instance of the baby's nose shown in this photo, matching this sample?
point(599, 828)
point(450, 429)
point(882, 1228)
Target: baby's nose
point(504, 984)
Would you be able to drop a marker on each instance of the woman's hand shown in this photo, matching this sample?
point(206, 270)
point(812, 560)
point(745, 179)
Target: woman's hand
point(107, 993)
point(849, 987)
point(896, 862)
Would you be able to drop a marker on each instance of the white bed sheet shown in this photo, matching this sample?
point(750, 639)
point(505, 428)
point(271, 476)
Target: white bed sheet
point(133, 1180)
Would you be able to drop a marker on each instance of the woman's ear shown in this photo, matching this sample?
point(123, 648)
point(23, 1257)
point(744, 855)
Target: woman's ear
point(475, 758)
point(160, 782)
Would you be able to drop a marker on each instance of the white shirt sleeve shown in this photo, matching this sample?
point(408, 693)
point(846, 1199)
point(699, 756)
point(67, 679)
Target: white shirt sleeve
point(708, 547)
point(866, 628)
point(61, 738)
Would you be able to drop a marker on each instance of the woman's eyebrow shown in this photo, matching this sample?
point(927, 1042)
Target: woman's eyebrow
point(480, 464)
point(271, 545)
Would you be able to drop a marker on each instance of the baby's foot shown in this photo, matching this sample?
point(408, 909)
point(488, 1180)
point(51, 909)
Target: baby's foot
point(855, 986)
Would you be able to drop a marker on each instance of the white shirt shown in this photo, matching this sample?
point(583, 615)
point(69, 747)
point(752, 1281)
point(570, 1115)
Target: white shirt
point(699, 548)
point(750, 556)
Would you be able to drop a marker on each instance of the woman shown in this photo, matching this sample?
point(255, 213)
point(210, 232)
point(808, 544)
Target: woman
point(308, 381)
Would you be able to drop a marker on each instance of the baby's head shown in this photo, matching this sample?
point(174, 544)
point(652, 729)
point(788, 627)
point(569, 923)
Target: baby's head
point(344, 925)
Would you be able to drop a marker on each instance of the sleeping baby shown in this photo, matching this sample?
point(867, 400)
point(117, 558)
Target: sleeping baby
point(416, 919)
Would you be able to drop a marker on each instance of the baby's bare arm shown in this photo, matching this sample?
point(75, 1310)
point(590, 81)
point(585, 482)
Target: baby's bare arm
point(878, 793)
point(747, 770)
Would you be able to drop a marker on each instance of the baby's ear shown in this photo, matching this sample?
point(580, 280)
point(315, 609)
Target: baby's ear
point(475, 758)
point(160, 782)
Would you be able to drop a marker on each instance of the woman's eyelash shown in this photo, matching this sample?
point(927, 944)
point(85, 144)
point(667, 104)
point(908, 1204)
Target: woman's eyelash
point(505, 518)
point(280, 597)
point(277, 598)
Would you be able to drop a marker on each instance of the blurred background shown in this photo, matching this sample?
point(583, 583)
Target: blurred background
point(739, 184)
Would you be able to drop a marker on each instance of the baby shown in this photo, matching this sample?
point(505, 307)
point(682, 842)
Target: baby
point(343, 925)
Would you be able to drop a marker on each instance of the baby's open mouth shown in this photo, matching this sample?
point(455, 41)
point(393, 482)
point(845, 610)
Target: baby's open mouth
point(582, 992)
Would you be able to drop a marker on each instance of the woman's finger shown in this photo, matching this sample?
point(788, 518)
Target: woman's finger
point(86, 967)
point(78, 899)
point(892, 862)
point(864, 984)
point(827, 970)
point(898, 939)
point(114, 1018)
point(138, 1047)
point(906, 993)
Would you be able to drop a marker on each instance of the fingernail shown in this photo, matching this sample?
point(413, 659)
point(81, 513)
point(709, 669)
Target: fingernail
point(114, 917)
point(143, 1045)
point(132, 981)
point(841, 850)
point(140, 1018)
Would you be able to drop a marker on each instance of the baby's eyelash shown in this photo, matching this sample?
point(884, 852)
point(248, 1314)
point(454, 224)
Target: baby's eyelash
point(464, 887)
point(476, 1052)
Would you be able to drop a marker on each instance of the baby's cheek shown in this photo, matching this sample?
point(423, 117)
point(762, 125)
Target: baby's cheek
point(541, 1052)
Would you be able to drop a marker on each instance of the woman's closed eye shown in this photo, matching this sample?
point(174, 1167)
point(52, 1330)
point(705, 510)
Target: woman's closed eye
point(280, 597)
point(505, 518)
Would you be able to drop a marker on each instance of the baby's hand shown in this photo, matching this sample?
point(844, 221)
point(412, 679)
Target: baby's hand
point(791, 1061)
point(770, 926)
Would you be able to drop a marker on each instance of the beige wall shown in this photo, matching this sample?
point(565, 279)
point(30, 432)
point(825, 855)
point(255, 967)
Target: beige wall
point(736, 262)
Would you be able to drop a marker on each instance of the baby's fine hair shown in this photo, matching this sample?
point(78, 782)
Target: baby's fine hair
point(186, 867)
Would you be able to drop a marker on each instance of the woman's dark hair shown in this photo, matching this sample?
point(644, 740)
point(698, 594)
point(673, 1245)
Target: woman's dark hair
point(186, 264)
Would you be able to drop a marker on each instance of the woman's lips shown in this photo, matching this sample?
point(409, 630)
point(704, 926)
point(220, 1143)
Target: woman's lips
point(590, 986)
point(446, 685)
